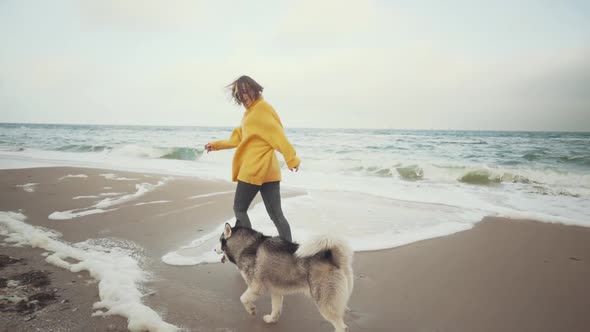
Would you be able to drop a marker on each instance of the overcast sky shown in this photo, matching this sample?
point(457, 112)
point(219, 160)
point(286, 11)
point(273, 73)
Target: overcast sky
point(493, 65)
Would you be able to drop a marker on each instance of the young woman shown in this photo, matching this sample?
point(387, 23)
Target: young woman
point(255, 165)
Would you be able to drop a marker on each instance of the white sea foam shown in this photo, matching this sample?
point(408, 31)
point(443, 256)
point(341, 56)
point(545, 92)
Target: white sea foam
point(71, 214)
point(153, 202)
point(184, 257)
point(29, 187)
point(371, 223)
point(84, 197)
point(111, 194)
point(117, 272)
point(73, 176)
point(111, 176)
point(543, 176)
point(142, 189)
point(103, 205)
point(199, 251)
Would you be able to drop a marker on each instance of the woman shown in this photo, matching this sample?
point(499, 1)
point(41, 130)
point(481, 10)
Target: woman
point(255, 165)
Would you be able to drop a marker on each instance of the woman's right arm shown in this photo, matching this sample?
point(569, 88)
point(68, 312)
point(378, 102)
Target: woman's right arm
point(232, 142)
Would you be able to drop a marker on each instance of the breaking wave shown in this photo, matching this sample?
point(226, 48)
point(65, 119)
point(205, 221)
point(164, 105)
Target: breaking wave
point(412, 173)
point(183, 154)
point(82, 148)
point(175, 153)
point(486, 176)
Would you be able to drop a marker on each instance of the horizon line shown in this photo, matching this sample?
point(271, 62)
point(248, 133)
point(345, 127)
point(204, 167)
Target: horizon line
point(319, 128)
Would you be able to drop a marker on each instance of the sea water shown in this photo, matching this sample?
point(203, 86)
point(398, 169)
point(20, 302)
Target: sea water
point(377, 188)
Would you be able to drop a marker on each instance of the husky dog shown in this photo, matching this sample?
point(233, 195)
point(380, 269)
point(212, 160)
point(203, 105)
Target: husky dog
point(321, 269)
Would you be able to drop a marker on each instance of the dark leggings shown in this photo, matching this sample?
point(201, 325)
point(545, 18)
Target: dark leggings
point(271, 195)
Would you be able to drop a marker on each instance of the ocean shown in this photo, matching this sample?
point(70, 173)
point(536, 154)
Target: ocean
point(378, 188)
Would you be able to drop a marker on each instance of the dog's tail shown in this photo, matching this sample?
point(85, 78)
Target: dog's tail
point(338, 249)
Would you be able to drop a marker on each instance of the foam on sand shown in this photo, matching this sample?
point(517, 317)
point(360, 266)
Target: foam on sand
point(199, 251)
point(104, 204)
point(73, 176)
point(117, 272)
point(84, 197)
point(111, 176)
point(99, 195)
point(370, 223)
point(71, 214)
point(29, 187)
point(153, 202)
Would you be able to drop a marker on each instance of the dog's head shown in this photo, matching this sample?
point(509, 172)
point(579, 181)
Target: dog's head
point(222, 247)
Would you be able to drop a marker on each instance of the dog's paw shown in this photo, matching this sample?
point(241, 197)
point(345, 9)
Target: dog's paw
point(250, 308)
point(270, 319)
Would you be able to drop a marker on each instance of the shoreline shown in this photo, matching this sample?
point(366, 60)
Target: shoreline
point(503, 274)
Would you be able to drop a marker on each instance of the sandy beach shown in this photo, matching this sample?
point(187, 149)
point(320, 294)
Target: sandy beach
point(501, 275)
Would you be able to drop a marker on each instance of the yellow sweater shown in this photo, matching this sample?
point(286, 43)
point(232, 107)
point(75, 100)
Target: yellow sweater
point(261, 133)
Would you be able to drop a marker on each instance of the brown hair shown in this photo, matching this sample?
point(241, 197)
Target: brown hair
point(244, 84)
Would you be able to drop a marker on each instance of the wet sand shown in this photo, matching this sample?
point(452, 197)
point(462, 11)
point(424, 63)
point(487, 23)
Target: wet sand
point(502, 275)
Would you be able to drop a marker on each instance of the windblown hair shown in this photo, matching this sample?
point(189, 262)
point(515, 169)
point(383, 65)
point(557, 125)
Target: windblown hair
point(244, 85)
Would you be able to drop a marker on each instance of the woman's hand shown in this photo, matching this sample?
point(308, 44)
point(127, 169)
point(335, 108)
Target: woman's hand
point(208, 147)
point(295, 169)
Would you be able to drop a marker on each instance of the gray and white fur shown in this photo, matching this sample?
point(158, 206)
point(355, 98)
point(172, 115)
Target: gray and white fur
point(320, 269)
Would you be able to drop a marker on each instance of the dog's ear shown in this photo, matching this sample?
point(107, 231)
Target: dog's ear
point(226, 231)
point(238, 223)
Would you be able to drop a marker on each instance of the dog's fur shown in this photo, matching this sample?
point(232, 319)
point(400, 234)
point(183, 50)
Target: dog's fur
point(321, 269)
